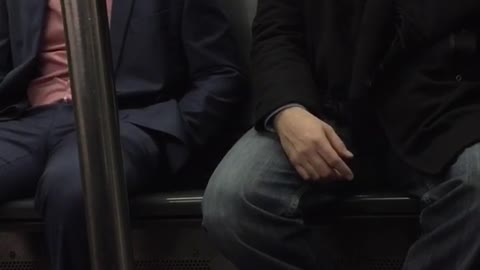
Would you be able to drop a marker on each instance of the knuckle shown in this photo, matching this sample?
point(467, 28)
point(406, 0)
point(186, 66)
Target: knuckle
point(322, 147)
point(327, 127)
point(298, 159)
point(303, 152)
point(341, 145)
point(319, 144)
point(295, 159)
point(313, 137)
point(336, 162)
point(325, 174)
point(311, 141)
point(303, 173)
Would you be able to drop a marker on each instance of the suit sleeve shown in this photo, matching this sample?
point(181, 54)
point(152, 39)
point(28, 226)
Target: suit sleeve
point(5, 52)
point(281, 72)
point(218, 84)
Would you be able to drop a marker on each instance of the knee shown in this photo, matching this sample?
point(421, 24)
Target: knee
point(60, 195)
point(247, 184)
point(469, 191)
point(465, 173)
point(464, 186)
point(221, 202)
point(458, 197)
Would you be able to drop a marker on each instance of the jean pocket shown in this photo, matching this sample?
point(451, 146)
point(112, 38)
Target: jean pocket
point(293, 208)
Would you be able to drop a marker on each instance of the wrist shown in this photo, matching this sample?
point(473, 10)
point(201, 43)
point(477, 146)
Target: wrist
point(282, 115)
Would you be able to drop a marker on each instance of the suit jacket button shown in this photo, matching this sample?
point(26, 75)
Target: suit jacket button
point(459, 78)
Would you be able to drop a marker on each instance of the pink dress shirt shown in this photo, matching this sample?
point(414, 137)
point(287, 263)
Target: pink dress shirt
point(53, 83)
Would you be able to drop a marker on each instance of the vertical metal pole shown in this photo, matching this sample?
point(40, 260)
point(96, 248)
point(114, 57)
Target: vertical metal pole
point(107, 214)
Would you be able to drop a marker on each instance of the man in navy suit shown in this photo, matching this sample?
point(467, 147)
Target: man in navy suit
point(178, 81)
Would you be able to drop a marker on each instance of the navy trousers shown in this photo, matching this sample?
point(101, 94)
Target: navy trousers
point(39, 156)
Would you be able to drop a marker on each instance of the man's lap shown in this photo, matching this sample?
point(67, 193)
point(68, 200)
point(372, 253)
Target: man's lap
point(257, 170)
point(61, 179)
point(43, 146)
point(252, 205)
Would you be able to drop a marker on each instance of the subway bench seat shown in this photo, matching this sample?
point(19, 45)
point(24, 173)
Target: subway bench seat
point(370, 231)
point(187, 204)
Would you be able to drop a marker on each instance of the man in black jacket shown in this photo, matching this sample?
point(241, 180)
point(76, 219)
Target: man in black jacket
point(345, 89)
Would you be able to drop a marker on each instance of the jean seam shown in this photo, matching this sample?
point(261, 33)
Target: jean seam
point(426, 196)
point(294, 202)
point(471, 164)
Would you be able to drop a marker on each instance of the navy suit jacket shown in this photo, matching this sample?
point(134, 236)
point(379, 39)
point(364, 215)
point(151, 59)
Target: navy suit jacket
point(176, 66)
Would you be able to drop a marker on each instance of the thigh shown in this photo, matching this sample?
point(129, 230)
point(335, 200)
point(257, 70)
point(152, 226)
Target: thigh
point(464, 173)
point(22, 155)
point(256, 172)
point(462, 177)
point(62, 174)
point(144, 158)
point(467, 167)
point(450, 216)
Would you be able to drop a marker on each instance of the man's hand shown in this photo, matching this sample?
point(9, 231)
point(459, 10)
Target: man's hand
point(312, 146)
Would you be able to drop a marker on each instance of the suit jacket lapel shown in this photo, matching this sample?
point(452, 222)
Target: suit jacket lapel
point(121, 12)
point(29, 19)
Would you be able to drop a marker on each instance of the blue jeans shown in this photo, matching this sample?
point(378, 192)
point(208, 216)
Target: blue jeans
point(251, 211)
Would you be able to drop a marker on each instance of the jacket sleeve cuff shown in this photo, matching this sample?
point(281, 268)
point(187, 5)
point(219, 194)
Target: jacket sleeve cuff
point(269, 120)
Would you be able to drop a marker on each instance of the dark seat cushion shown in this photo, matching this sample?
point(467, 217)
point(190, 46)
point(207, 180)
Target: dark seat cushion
point(19, 210)
point(371, 205)
point(159, 205)
point(184, 204)
point(187, 204)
